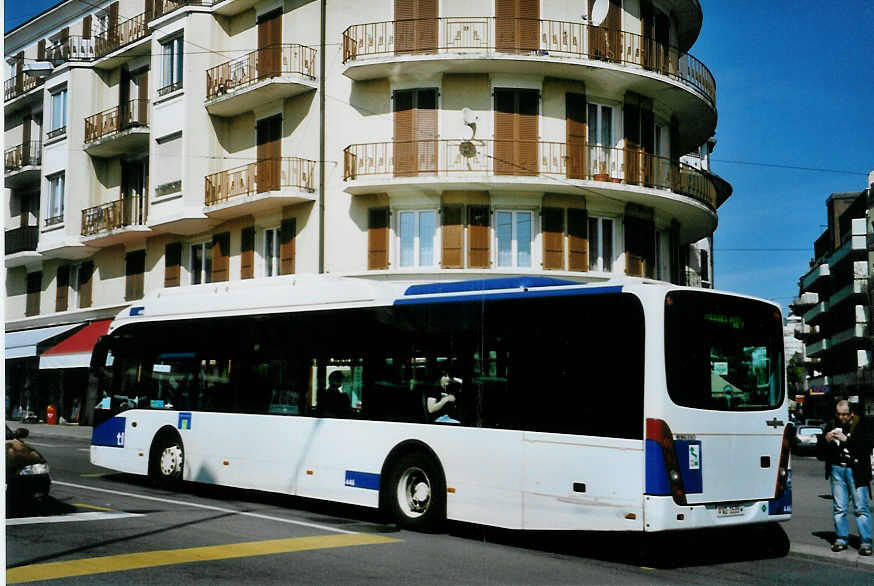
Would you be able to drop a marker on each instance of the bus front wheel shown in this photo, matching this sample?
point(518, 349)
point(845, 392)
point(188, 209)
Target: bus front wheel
point(168, 460)
point(417, 492)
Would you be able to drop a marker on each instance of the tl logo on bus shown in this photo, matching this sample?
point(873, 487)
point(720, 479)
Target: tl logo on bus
point(119, 439)
point(694, 457)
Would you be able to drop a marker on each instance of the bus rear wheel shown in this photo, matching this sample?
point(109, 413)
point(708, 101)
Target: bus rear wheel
point(416, 493)
point(168, 461)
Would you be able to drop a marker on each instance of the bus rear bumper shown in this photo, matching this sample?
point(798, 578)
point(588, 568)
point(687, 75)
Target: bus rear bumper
point(661, 513)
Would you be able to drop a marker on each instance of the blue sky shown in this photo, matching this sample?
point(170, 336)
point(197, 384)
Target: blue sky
point(795, 95)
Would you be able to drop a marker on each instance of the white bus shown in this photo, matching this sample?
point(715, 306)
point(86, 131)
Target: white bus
point(626, 405)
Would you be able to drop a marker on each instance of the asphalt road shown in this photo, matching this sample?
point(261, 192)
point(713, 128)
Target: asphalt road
point(108, 528)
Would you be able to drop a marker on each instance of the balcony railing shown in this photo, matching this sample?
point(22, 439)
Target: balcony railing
point(163, 7)
point(130, 115)
point(20, 85)
point(74, 48)
point(128, 211)
point(465, 35)
point(261, 64)
point(260, 177)
point(22, 239)
point(527, 158)
point(125, 33)
point(23, 155)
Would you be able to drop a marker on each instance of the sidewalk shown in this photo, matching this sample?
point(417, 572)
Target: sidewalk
point(810, 532)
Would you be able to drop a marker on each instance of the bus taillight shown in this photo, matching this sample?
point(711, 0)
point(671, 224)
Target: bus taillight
point(658, 432)
point(783, 470)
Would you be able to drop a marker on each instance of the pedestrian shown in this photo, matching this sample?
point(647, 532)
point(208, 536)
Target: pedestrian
point(846, 448)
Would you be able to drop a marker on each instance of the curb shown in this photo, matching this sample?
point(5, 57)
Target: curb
point(853, 560)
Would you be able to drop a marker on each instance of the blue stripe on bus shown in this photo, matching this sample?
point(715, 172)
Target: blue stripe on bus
point(110, 433)
point(782, 505)
point(487, 285)
point(366, 480)
point(656, 473)
point(657, 482)
point(510, 295)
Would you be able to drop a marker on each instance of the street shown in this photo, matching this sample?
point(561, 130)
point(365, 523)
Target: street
point(102, 527)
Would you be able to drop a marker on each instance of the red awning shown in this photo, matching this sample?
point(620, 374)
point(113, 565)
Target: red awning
point(75, 351)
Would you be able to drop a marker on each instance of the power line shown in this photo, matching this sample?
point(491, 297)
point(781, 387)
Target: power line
point(790, 167)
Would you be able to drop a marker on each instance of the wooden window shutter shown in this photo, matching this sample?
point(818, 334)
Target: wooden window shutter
point(34, 289)
point(377, 238)
point(405, 152)
point(247, 253)
point(405, 26)
point(528, 12)
point(287, 233)
point(135, 267)
point(41, 50)
point(527, 121)
point(553, 238)
point(221, 256)
point(639, 244)
point(86, 27)
point(426, 26)
point(269, 153)
point(517, 27)
point(86, 279)
point(149, 9)
point(112, 33)
point(575, 114)
point(631, 124)
point(478, 237)
point(578, 239)
point(62, 291)
point(172, 264)
point(613, 23)
point(19, 70)
point(425, 130)
point(505, 131)
point(452, 235)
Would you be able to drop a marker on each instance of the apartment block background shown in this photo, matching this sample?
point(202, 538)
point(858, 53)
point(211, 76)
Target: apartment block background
point(177, 143)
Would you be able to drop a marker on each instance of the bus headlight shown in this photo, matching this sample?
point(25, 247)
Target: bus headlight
point(34, 469)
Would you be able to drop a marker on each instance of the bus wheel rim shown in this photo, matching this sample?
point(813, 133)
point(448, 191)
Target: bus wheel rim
point(171, 458)
point(414, 492)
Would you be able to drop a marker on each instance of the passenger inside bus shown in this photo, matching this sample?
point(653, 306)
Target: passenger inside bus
point(440, 402)
point(333, 402)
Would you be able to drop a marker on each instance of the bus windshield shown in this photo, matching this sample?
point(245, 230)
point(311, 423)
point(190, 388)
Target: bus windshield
point(723, 353)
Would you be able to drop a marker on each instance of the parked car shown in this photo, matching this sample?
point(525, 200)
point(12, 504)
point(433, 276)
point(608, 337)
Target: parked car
point(805, 439)
point(27, 472)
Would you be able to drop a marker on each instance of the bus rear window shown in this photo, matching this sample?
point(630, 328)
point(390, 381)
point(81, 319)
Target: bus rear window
point(723, 353)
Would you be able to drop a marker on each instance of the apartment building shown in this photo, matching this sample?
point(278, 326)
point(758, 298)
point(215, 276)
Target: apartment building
point(179, 143)
point(834, 302)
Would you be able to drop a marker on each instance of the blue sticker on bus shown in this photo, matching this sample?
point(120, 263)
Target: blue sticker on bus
point(782, 505)
point(110, 433)
point(135, 311)
point(689, 459)
point(184, 421)
point(366, 480)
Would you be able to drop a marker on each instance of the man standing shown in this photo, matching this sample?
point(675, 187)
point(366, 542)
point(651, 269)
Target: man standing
point(846, 448)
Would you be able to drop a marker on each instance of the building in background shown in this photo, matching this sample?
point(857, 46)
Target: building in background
point(176, 143)
point(835, 304)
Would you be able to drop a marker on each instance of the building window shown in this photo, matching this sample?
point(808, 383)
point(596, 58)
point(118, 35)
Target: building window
point(201, 263)
point(171, 70)
point(417, 232)
point(58, 124)
point(134, 270)
point(603, 159)
point(271, 252)
point(601, 244)
point(55, 203)
point(513, 232)
point(705, 267)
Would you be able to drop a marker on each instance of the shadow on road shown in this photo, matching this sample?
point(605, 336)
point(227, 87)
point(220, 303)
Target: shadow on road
point(46, 506)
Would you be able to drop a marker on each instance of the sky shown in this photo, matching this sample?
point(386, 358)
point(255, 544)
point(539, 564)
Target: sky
point(795, 97)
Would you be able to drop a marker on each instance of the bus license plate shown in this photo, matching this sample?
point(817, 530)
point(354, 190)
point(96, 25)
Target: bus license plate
point(730, 510)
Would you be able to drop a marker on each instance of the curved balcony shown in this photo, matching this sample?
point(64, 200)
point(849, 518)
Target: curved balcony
point(271, 73)
point(118, 130)
point(260, 186)
point(21, 245)
point(23, 163)
point(569, 50)
point(682, 191)
point(115, 222)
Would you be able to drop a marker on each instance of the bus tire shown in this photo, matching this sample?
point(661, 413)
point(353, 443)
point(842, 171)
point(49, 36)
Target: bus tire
point(416, 492)
point(167, 461)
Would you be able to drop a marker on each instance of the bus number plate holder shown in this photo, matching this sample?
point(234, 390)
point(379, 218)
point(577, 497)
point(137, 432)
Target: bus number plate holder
point(730, 510)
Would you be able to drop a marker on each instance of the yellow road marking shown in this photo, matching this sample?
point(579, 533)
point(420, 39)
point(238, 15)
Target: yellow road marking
point(96, 474)
point(95, 507)
point(167, 557)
